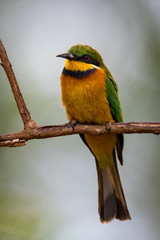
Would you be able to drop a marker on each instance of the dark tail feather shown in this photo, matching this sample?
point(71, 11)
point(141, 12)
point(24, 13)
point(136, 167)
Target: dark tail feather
point(111, 198)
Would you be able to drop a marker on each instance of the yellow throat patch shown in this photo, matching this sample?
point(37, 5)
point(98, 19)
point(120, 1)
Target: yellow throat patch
point(78, 66)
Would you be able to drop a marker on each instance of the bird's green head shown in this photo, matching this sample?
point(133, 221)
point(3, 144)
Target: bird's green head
point(85, 54)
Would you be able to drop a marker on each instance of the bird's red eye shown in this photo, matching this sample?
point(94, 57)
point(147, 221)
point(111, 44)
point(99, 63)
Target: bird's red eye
point(86, 58)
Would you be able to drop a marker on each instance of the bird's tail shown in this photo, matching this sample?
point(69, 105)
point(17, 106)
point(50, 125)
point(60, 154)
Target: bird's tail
point(111, 200)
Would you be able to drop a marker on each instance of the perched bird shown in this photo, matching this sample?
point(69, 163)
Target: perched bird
point(90, 95)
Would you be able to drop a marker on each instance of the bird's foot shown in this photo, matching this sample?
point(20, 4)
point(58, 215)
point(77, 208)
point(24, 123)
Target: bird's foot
point(73, 124)
point(108, 126)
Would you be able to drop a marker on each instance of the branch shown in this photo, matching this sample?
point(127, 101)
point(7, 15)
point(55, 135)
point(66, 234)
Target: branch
point(33, 131)
point(25, 114)
point(40, 132)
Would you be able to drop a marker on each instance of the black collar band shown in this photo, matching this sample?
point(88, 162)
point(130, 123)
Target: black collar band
point(78, 74)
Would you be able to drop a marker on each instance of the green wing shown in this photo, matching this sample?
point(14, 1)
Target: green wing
point(114, 103)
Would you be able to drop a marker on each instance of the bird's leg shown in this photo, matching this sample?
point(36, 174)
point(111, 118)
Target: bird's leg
point(73, 123)
point(108, 126)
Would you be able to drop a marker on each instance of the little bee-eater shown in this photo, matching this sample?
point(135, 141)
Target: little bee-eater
point(90, 95)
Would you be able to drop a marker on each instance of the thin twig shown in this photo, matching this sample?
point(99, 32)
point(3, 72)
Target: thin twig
point(25, 114)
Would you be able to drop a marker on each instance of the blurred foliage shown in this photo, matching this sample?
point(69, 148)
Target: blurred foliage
point(13, 225)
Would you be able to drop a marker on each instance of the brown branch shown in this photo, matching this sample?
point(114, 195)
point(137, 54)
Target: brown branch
point(13, 143)
point(67, 129)
point(33, 131)
point(25, 114)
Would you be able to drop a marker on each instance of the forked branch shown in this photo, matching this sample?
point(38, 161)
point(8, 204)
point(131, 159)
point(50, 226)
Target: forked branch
point(33, 131)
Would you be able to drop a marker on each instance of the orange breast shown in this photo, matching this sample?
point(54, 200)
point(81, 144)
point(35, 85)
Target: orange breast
point(85, 101)
point(85, 98)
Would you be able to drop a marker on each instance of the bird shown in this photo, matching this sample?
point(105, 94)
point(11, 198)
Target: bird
point(90, 95)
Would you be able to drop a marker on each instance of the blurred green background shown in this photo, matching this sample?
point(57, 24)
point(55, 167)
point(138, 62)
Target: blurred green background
point(48, 189)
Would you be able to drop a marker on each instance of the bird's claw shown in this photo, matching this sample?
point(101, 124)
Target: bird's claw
point(73, 124)
point(108, 126)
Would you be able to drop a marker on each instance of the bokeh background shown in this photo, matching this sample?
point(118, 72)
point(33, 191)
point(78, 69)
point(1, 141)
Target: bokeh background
point(48, 189)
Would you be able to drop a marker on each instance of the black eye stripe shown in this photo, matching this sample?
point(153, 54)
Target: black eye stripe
point(88, 59)
point(85, 56)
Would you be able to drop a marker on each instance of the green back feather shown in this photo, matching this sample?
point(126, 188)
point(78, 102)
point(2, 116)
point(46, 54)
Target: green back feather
point(112, 97)
point(114, 103)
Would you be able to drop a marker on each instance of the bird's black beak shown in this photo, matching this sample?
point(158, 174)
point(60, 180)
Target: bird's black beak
point(69, 56)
